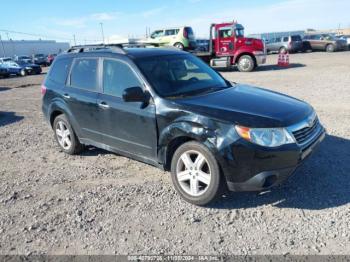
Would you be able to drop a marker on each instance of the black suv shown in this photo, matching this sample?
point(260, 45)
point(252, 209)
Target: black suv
point(169, 109)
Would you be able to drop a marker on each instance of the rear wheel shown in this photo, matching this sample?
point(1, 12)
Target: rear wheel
point(330, 48)
point(22, 72)
point(283, 50)
point(196, 174)
point(246, 63)
point(179, 46)
point(65, 136)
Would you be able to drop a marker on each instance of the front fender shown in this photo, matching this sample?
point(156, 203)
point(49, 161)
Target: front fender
point(194, 127)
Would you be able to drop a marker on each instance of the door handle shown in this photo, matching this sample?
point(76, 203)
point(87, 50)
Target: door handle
point(66, 96)
point(103, 105)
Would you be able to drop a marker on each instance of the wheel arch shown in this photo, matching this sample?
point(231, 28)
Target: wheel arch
point(57, 108)
point(176, 135)
point(246, 53)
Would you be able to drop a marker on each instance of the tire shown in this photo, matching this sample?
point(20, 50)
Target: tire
point(22, 72)
point(283, 50)
point(179, 46)
point(330, 48)
point(245, 63)
point(73, 147)
point(199, 184)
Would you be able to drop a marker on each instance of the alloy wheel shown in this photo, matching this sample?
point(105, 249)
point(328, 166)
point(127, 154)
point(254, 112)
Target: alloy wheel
point(244, 63)
point(193, 173)
point(63, 135)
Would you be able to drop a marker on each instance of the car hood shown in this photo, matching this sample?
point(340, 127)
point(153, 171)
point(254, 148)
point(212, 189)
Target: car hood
point(249, 106)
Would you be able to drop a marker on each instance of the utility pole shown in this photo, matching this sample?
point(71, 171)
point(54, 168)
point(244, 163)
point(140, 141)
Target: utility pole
point(103, 35)
point(75, 42)
point(3, 48)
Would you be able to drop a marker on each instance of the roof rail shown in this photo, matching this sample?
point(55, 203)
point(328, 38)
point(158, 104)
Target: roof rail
point(118, 48)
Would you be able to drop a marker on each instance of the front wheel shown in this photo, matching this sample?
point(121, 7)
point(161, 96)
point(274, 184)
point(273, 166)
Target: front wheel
point(195, 174)
point(246, 63)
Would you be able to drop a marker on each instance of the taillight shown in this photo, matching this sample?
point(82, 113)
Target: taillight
point(185, 33)
point(43, 90)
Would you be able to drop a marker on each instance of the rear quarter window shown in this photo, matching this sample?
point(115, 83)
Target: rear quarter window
point(60, 69)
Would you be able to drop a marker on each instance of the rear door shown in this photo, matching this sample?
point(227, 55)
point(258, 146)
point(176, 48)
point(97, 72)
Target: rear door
point(170, 36)
point(80, 95)
point(127, 126)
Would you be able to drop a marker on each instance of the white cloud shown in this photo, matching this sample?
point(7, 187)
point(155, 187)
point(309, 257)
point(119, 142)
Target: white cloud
point(283, 16)
point(105, 16)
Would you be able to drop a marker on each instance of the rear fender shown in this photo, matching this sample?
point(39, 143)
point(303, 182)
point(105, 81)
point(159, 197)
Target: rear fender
point(61, 106)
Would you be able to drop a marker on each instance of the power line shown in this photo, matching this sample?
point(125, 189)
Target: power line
point(44, 36)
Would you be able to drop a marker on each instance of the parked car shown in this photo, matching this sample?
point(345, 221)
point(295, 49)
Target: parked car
point(15, 69)
point(50, 58)
point(346, 38)
point(168, 108)
point(291, 44)
point(4, 72)
point(180, 37)
point(29, 67)
point(40, 59)
point(24, 58)
point(202, 45)
point(325, 42)
point(5, 59)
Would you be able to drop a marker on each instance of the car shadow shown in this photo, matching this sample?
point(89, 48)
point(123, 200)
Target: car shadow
point(7, 118)
point(93, 151)
point(4, 88)
point(322, 182)
point(277, 67)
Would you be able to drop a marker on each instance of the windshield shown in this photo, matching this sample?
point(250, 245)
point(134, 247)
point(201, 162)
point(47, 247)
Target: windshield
point(180, 75)
point(11, 63)
point(239, 32)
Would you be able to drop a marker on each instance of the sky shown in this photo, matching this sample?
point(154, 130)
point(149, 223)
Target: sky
point(60, 20)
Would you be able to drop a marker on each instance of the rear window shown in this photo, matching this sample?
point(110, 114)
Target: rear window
point(59, 71)
point(84, 74)
point(296, 38)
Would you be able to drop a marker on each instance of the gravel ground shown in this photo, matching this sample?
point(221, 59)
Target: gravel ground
point(102, 203)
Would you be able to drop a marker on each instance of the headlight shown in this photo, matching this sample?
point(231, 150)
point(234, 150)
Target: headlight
point(269, 137)
point(28, 68)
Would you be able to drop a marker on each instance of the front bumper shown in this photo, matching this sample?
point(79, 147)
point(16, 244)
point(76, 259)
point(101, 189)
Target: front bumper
point(249, 167)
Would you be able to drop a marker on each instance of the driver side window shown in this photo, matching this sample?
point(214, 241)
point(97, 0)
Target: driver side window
point(117, 76)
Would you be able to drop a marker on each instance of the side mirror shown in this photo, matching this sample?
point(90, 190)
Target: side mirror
point(134, 94)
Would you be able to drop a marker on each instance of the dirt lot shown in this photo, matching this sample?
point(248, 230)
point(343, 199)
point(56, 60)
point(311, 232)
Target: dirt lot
point(102, 203)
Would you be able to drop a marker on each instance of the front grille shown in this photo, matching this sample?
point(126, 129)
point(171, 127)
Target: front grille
point(304, 134)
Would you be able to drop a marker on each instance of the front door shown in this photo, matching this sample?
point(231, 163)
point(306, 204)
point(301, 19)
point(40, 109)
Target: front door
point(225, 41)
point(126, 126)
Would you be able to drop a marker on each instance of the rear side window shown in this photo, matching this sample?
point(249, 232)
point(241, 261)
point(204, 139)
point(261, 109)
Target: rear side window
point(171, 32)
point(59, 71)
point(84, 74)
point(278, 40)
point(117, 76)
point(285, 39)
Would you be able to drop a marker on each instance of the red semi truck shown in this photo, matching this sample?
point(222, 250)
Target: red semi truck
point(228, 47)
